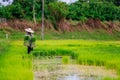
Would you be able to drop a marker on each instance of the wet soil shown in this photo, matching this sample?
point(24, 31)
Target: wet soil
point(53, 69)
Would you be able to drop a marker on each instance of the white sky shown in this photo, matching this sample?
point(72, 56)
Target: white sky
point(5, 2)
point(69, 1)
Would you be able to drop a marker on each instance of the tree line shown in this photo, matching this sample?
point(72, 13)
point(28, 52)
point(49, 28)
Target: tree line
point(105, 10)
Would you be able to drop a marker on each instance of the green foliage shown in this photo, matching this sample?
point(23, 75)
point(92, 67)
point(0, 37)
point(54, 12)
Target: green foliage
point(5, 12)
point(23, 9)
point(116, 2)
point(103, 11)
point(17, 11)
point(49, 1)
point(56, 11)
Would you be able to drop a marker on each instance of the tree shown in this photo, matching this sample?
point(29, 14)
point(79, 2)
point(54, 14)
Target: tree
point(57, 12)
point(97, 10)
point(116, 2)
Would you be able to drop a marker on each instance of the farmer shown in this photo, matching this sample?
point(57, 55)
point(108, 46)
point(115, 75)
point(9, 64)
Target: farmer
point(29, 40)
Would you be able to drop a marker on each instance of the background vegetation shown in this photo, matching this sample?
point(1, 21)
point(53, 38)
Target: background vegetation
point(80, 10)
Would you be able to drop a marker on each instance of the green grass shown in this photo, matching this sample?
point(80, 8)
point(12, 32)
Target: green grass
point(93, 35)
point(97, 34)
point(85, 52)
point(15, 64)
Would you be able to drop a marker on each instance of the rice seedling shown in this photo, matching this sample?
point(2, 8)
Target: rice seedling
point(85, 52)
point(15, 64)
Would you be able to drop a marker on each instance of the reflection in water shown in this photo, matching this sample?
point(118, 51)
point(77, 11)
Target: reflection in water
point(70, 77)
point(73, 77)
point(53, 69)
point(77, 77)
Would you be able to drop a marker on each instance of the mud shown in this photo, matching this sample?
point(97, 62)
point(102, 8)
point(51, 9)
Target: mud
point(53, 69)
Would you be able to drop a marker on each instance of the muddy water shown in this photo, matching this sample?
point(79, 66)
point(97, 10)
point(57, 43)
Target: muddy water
point(53, 69)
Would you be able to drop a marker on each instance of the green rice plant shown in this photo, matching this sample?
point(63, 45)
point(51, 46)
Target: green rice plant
point(108, 78)
point(26, 38)
point(85, 52)
point(90, 62)
point(55, 52)
point(33, 39)
point(15, 63)
point(66, 59)
point(99, 63)
point(4, 44)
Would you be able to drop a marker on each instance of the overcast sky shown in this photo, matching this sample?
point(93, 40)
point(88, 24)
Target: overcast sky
point(69, 1)
point(5, 2)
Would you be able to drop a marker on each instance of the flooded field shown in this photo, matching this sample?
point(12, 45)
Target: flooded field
point(53, 69)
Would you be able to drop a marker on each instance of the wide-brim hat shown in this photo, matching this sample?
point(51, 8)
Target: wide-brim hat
point(29, 30)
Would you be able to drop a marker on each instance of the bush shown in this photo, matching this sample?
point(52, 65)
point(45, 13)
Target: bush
point(103, 11)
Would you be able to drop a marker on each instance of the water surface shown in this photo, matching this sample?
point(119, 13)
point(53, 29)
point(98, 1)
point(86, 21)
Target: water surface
point(53, 69)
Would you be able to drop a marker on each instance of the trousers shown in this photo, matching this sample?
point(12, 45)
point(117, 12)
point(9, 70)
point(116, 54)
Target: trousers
point(29, 49)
